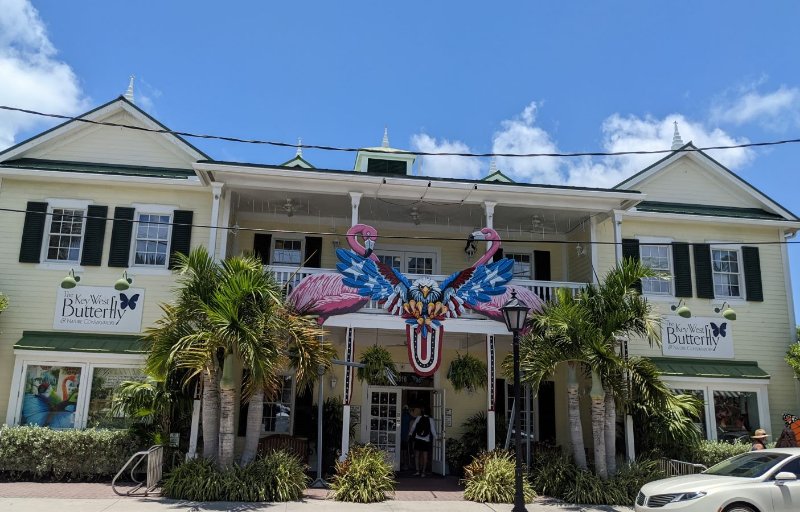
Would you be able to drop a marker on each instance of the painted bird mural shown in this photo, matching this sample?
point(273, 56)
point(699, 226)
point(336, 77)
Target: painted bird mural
point(423, 303)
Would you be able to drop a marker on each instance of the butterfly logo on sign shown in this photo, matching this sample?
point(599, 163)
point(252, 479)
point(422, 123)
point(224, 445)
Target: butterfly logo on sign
point(719, 330)
point(126, 302)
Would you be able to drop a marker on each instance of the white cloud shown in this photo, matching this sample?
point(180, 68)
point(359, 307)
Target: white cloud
point(33, 77)
point(776, 110)
point(445, 166)
point(521, 135)
point(145, 95)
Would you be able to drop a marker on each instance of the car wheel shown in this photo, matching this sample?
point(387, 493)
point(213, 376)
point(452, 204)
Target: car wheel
point(740, 507)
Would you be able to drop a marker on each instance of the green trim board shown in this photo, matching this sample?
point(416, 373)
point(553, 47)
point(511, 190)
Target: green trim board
point(497, 176)
point(710, 368)
point(94, 168)
point(80, 342)
point(707, 210)
point(290, 163)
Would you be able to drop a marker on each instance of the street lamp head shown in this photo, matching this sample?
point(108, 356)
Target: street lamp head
point(515, 312)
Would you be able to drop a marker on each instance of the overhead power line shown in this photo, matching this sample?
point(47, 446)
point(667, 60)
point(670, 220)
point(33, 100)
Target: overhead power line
point(379, 236)
point(685, 149)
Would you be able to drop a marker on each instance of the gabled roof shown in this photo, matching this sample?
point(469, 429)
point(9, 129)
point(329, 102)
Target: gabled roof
point(497, 176)
point(103, 110)
point(689, 150)
point(297, 161)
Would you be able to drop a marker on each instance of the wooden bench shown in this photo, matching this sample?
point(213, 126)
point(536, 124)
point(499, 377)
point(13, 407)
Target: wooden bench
point(296, 445)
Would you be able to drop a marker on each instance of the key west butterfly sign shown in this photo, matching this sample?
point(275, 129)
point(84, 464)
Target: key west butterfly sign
point(99, 309)
point(706, 337)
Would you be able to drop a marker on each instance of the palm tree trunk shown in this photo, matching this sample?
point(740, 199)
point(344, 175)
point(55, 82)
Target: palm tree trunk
point(598, 423)
point(255, 413)
point(611, 431)
point(575, 427)
point(227, 402)
point(210, 409)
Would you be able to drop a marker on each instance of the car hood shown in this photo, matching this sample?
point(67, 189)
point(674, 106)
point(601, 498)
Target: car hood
point(691, 483)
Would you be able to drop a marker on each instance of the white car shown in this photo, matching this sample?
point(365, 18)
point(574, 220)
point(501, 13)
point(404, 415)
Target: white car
point(759, 481)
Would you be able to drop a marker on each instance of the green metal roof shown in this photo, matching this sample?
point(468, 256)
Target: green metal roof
point(708, 210)
point(94, 168)
point(80, 342)
point(687, 367)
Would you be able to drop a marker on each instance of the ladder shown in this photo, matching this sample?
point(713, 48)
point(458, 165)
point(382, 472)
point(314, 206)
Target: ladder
point(155, 465)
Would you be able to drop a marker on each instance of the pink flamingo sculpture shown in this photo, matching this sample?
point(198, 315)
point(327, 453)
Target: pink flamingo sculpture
point(493, 308)
point(325, 295)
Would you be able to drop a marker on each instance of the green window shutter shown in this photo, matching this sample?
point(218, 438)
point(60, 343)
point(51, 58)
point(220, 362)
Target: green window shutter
point(120, 249)
point(30, 249)
point(541, 266)
point(752, 274)
point(630, 251)
point(94, 235)
point(682, 269)
point(313, 254)
point(703, 279)
point(498, 255)
point(181, 234)
point(262, 243)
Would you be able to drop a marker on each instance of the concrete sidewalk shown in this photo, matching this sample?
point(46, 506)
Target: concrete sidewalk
point(309, 505)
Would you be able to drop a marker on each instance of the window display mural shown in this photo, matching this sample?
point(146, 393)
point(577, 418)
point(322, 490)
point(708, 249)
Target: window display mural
point(51, 396)
point(424, 304)
point(105, 381)
point(736, 414)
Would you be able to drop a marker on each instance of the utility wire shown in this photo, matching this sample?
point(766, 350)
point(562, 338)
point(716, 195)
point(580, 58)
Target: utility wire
point(684, 149)
point(379, 236)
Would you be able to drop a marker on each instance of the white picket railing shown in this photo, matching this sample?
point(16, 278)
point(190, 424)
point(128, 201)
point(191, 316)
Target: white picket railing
point(290, 276)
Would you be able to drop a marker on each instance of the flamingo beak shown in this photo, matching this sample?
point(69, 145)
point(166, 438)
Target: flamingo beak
point(477, 235)
point(369, 245)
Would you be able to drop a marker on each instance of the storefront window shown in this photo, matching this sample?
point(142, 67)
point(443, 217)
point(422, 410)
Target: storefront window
point(736, 414)
point(700, 421)
point(105, 381)
point(51, 396)
point(278, 413)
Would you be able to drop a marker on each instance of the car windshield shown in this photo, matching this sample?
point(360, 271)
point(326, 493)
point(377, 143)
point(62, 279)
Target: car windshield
point(747, 465)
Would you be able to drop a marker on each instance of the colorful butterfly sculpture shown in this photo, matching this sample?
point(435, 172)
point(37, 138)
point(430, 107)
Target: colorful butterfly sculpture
point(423, 303)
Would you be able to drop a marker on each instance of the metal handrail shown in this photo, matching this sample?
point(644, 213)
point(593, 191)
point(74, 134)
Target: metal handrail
point(155, 467)
point(673, 467)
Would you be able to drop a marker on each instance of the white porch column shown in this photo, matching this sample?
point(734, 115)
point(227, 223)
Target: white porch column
point(192, 452)
point(593, 248)
point(488, 211)
point(225, 223)
point(349, 356)
point(490, 393)
point(355, 201)
point(618, 236)
point(216, 193)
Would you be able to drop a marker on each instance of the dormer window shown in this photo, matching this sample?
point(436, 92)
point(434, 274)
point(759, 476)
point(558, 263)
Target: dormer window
point(383, 166)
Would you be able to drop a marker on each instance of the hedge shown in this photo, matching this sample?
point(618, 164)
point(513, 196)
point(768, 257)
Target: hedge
point(41, 453)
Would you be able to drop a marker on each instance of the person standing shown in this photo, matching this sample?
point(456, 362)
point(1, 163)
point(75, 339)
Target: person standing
point(759, 440)
point(423, 432)
point(405, 428)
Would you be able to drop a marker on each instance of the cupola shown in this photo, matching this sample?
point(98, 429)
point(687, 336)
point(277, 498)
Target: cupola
point(384, 159)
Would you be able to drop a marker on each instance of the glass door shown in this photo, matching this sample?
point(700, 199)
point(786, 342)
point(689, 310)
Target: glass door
point(384, 422)
point(437, 414)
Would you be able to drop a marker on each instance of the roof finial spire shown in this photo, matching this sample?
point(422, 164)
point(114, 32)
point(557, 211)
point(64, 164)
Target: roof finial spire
point(493, 165)
point(677, 142)
point(385, 141)
point(129, 93)
point(299, 147)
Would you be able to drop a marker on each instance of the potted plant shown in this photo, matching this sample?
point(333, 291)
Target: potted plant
point(379, 369)
point(467, 372)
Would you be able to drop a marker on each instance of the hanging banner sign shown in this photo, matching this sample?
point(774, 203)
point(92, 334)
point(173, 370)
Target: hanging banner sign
point(697, 337)
point(99, 309)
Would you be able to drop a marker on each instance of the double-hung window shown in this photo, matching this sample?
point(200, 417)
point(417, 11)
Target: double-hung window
point(522, 265)
point(151, 247)
point(656, 254)
point(726, 269)
point(287, 252)
point(65, 234)
point(278, 412)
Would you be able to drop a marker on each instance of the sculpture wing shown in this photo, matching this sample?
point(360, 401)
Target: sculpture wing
point(469, 287)
point(374, 280)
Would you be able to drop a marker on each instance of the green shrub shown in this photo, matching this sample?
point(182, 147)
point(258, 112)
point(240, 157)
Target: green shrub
point(709, 453)
point(466, 372)
point(365, 476)
point(460, 452)
point(41, 453)
point(278, 476)
point(489, 478)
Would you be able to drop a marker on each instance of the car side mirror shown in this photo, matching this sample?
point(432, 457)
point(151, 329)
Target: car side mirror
point(784, 476)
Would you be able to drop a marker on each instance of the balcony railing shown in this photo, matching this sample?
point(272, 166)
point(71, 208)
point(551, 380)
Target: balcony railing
point(290, 276)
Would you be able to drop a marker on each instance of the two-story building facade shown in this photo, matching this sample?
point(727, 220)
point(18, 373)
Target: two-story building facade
point(102, 200)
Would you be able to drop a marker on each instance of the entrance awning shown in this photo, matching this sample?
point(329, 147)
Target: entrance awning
point(80, 342)
point(673, 367)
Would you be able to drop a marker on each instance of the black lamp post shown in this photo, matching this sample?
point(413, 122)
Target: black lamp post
point(514, 313)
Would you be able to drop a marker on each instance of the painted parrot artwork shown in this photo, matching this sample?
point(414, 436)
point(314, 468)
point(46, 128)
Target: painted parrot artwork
point(51, 398)
point(423, 303)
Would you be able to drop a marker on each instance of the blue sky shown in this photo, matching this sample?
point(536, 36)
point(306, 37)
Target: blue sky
point(479, 76)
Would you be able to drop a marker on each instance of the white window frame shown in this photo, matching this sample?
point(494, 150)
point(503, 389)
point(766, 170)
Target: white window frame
point(660, 241)
point(150, 209)
point(291, 237)
point(404, 250)
point(726, 246)
point(292, 400)
point(708, 386)
point(86, 361)
point(531, 270)
point(58, 204)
